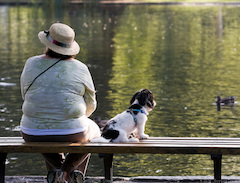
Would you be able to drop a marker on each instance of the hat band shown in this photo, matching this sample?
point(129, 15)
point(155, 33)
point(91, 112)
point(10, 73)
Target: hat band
point(65, 45)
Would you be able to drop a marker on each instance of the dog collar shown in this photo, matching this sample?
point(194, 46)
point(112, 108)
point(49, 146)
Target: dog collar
point(136, 110)
point(140, 110)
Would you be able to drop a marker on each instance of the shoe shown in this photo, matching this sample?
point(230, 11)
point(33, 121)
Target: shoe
point(56, 176)
point(76, 177)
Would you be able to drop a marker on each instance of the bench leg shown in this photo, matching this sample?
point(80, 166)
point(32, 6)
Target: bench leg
point(3, 157)
point(108, 166)
point(217, 159)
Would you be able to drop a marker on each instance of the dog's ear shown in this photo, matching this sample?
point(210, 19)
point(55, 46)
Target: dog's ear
point(134, 97)
point(146, 97)
point(142, 98)
point(150, 103)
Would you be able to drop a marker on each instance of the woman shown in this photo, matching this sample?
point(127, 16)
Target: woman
point(59, 96)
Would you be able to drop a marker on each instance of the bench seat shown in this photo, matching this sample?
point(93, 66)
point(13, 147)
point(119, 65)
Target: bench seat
point(216, 147)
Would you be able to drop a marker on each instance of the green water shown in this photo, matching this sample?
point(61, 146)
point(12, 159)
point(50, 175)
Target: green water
point(187, 55)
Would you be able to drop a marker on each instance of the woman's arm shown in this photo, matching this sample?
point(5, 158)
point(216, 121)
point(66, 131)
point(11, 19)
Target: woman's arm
point(91, 103)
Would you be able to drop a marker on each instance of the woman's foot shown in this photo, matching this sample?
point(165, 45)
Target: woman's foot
point(76, 177)
point(56, 176)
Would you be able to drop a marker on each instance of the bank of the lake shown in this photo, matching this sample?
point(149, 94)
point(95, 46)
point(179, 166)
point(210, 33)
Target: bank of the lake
point(144, 179)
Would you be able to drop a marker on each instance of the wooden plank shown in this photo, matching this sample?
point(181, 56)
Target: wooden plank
point(150, 141)
point(193, 138)
point(192, 142)
point(158, 144)
point(123, 148)
point(158, 138)
point(163, 144)
point(153, 139)
point(110, 145)
point(142, 143)
point(154, 145)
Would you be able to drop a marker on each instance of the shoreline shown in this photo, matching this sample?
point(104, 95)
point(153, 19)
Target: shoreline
point(139, 179)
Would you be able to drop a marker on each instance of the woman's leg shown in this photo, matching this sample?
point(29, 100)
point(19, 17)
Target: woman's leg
point(76, 161)
point(93, 131)
point(73, 160)
point(83, 166)
point(52, 160)
point(80, 161)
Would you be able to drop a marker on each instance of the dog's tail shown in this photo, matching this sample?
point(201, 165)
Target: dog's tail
point(100, 140)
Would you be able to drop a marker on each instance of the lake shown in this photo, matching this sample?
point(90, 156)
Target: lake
point(186, 55)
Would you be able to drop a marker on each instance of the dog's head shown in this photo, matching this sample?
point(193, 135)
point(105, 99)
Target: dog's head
point(145, 98)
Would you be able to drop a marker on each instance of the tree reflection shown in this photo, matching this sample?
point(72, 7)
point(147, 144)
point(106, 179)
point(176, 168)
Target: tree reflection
point(187, 55)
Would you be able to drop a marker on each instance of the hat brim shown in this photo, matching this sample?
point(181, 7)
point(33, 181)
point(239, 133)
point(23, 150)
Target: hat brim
point(73, 50)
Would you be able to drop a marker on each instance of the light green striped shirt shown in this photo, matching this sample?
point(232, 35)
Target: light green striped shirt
point(59, 97)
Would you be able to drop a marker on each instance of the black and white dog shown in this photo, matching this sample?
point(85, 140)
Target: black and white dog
point(133, 120)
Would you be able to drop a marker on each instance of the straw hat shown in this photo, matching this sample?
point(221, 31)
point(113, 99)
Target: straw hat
point(60, 39)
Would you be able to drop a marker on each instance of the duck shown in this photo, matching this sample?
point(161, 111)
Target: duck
point(225, 100)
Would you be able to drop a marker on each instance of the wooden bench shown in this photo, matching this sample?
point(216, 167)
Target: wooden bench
point(216, 147)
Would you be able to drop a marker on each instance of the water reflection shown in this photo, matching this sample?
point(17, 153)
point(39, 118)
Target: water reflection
point(187, 55)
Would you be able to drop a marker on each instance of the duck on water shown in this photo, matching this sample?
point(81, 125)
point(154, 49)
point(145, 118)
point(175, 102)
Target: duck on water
point(224, 101)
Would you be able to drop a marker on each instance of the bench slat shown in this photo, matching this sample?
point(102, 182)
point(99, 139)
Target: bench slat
point(122, 148)
point(154, 138)
point(153, 145)
point(194, 138)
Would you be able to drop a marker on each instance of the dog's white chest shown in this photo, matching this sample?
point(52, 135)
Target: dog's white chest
point(127, 121)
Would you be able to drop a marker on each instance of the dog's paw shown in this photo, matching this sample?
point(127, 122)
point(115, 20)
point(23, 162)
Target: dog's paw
point(144, 136)
point(133, 139)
